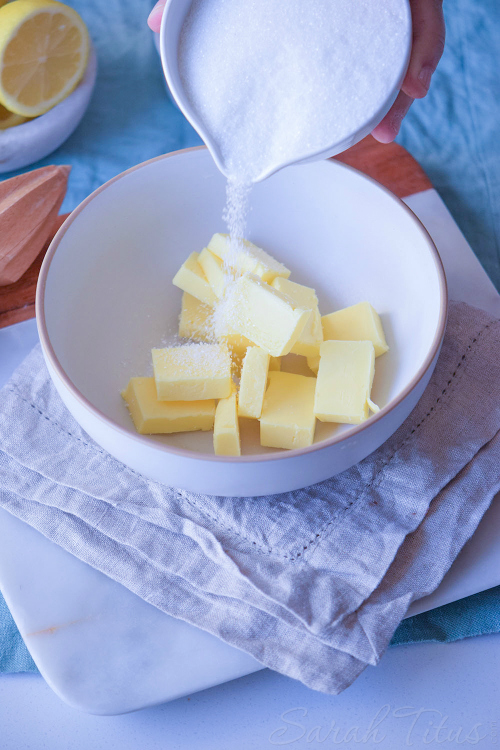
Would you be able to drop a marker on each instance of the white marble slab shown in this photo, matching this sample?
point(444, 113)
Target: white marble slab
point(412, 691)
point(104, 650)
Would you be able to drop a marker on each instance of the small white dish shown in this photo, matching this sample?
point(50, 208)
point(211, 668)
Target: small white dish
point(33, 140)
point(173, 19)
point(105, 298)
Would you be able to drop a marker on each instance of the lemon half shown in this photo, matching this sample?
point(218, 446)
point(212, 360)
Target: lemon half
point(44, 48)
point(9, 119)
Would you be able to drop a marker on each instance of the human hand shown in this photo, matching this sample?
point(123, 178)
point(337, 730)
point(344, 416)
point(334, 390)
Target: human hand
point(154, 20)
point(426, 51)
point(427, 48)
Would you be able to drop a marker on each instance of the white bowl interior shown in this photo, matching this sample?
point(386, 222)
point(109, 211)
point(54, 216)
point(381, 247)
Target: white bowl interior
point(109, 298)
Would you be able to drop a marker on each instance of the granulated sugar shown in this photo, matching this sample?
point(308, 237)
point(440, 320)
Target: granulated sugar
point(235, 212)
point(235, 216)
point(276, 80)
point(194, 358)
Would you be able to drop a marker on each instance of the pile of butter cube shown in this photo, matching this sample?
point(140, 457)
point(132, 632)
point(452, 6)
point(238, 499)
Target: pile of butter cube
point(193, 387)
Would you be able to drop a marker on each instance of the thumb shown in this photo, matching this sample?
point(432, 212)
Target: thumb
point(154, 19)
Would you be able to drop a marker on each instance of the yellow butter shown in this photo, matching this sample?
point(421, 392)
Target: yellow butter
point(306, 348)
point(345, 378)
point(237, 346)
point(304, 296)
point(253, 382)
point(274, 363)
point(356, 323)
point(236, 343)
point(267, 317)
point(191, 279)
point(153, 417)
point(195, 321)
point(226, 428)
point(247, 258)
point(287, 419)
point(313, 363)
point(213, 270)
point(192, 372)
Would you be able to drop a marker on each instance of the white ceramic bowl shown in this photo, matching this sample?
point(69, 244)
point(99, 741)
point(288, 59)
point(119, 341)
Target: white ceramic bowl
point(105, 298)
point(33, 140)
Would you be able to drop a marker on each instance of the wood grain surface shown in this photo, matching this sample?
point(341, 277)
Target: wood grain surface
point(29, 206)
point(17, 301)
point(389, 164)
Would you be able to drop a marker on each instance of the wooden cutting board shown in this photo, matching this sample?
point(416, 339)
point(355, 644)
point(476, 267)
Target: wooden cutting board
point(389, 164)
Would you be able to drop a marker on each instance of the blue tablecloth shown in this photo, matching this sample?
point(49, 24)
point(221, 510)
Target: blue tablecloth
point(453, 133)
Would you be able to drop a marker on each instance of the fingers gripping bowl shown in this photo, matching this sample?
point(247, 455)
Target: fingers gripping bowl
point(105, 299)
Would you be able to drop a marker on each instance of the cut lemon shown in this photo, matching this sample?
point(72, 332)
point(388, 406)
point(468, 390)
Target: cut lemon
point(9, 119)
point(44, 48)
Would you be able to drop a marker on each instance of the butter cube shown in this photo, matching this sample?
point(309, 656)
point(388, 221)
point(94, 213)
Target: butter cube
point(192, 372)
point(153, 417)
point(226, 428)
point(274, 363)
point(267, 317)
point(195, 320)
point(213, 270)
point(191, 279)
point(304, 296)
point(253, 382)
point(345, 378)
point(356, 323)
point(287, 419)
point(236, 343)
point(313, 363)
point(246, 257)
point(237, 346)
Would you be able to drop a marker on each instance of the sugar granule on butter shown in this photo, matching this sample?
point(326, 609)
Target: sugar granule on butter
point(194, 357)
point(192, 372)
point(262, 314)
point(195, 319)
point(243, 256)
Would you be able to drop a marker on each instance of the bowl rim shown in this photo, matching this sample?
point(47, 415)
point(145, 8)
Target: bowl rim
point(149, 441)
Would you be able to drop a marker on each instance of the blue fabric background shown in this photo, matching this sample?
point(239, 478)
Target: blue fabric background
point(453, 133)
